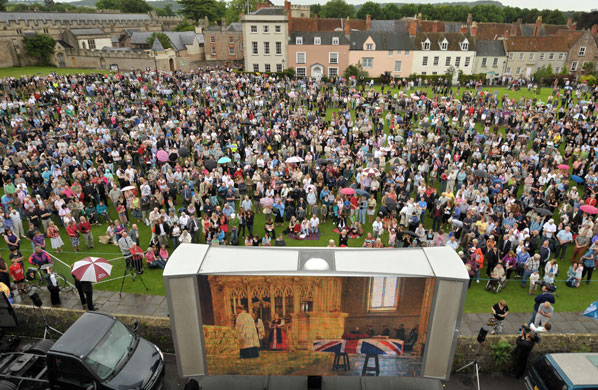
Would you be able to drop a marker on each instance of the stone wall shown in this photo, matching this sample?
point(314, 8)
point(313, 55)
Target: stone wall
point(157, 330)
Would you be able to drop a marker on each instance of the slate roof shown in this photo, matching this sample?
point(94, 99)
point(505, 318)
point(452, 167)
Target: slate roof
point(384, 40)
point(534, 44)
point(325, 37)
point(87, 31)
point(51, 16)
point(238, 27)
point(177, 39)
point(269, 11)
point(454, 40)
point(490, 48)
point(157, 46)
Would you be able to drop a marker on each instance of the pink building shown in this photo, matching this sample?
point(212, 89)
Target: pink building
point(382, 51)
point(317, 54)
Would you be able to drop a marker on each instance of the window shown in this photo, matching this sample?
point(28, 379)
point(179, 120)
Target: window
point(495, 63)
point(299, 41)
point(300, 72)
point(511, 56)
point(484, 62)
point(256, 67)
point(447, 62)
point(254, 29)
point(406, 52)
point(368, 62)
point(518, 72)
point(267, 68)
point(465, 45)
point(45, 30)
point(254, 48)
point(558, 69)
point(520, 56)
point(317, 41)
point(369, 46)
point(582, 52)
point(19, 31)
point(301, 57)
point(91, 43)
point(231, 50)
point(426, 45)
point(279, 68)
point(383, 293)
point(467, 59)
point(333, 58)
point(398, 66)
point(457, 61)
point(542, 56)
point(71, 372)
point(425, 61)
point(212, 39)
point(213, 50)
point(444, 45)
point(434, 73)
point(390, 52)
point(508, 70)
point(398, 52)
point(332, 72)
point(424, 73)
point(436, 59)
point(266, 29)
point(573, 66)
point(277, 28)
point(551, 56)
point(231, 40)
point(335, 40)
point(278, 48)
point(531, 56)
point(267, 48)
point(561, 56)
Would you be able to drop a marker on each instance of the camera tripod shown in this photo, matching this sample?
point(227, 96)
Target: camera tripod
point(476, 366)
point(132, 272)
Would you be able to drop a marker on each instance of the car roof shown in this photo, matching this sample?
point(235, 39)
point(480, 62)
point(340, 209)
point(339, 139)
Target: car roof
point(580, 368)
point(84, 334)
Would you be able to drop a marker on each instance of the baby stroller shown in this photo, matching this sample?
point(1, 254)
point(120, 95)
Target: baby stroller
point(496, 285)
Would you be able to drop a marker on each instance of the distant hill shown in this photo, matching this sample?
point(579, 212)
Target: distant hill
point(462, 3)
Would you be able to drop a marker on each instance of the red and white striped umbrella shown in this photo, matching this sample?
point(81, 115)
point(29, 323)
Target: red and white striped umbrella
point(91, 269)
point(371, 172)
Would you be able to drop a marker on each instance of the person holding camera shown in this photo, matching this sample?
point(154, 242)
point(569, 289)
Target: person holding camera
point(524, 345)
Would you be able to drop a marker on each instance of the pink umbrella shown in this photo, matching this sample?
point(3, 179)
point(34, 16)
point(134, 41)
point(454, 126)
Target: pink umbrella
point(564, 167)
point(371, 172)
point(162, 156)
point(91, 269)
point(347, 191)
point(586, 208)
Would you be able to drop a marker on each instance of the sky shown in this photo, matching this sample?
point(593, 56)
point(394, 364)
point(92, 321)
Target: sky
point(578, 5)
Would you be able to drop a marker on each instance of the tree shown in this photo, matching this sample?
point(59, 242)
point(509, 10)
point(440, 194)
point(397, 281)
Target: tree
point(40, 46)
point(370, 8)
point(356, 71)
point(543, 73)
point(315, 10)
point(238, 7)
point(391, 12)
point(134, 6)
point(3, 5)
point(337, 9)
point(588, 67)
point(184, 26)
point(564, 71)
point(163, 38)
point(199, 9)
point(108, 4)
point(166, 11)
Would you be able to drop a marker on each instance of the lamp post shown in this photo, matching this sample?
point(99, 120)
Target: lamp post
point(283, 64)
point(155, 64)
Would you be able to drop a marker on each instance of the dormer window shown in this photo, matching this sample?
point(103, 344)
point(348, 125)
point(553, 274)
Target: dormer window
point(299, 41)
point(444, 45)
point(465, 45)
point(335, 40)
point(369, 46)
point(317, 41)
point(426, 44)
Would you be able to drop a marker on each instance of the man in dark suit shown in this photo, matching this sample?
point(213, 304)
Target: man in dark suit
point(575, 218)
point(544, 253)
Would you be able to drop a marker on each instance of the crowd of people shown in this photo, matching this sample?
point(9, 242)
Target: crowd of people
point(508, 183)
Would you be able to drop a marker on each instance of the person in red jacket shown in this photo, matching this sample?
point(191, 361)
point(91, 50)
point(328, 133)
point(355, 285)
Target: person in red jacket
point(85, 229)
point(73, 233)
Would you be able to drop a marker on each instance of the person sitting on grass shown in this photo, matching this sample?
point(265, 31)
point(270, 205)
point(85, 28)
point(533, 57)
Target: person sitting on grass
point(534, 281)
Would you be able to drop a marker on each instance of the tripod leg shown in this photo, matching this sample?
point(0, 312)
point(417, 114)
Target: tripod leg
point(122, 284)
point(477, 374)
point(142, 282)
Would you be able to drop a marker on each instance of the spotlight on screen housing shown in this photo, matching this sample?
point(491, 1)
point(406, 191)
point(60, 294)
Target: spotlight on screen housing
point(316, 264)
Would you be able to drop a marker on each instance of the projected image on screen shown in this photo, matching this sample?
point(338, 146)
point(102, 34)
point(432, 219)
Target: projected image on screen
point(290, 325)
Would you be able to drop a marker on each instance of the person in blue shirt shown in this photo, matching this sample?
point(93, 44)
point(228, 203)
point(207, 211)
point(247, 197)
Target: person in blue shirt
point(102, 210)
point(423, 205)
point(522, 258)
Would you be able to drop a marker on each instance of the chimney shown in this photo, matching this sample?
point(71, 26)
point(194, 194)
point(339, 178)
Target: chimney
point(368, 22)
point(538, 27)
point(412, 27)
point(474, 29)
point(513, 32)
point(469, 20)
point(463, 29)
point(506, 35)
point(436, 26)
point(569, 23)
point(594, 30)
point(347, 27)
point(287, 6)
point(222, 24)
point(315, 16)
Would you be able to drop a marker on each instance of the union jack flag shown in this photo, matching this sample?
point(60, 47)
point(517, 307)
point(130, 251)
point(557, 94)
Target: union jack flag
point(330, 345)
point(380, 347)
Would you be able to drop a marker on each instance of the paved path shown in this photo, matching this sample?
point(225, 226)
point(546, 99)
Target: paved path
point(155, 305)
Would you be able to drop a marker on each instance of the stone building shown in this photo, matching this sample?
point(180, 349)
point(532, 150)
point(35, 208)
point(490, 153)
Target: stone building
point(525, 55)
point(265, 35)
point(583, 48)
point(224, 43)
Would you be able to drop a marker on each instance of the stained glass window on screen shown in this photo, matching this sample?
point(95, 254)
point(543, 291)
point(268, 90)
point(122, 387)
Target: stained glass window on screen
point(383, 293)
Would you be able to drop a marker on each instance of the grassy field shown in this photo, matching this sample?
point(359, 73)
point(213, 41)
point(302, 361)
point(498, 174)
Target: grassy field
point(478, 300)
point(44, 70)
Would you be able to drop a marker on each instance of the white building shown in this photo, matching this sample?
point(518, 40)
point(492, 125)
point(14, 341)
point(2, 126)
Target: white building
point(436, 52)
point(265, 36)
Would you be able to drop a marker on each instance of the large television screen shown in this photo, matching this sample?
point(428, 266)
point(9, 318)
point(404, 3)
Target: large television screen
point(315, 325)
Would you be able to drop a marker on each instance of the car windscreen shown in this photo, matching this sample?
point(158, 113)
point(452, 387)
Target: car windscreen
point(105, 357)
point(549, 375)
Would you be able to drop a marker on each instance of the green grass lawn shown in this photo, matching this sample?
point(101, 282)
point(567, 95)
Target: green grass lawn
point(478, 299)
point(44, 70)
